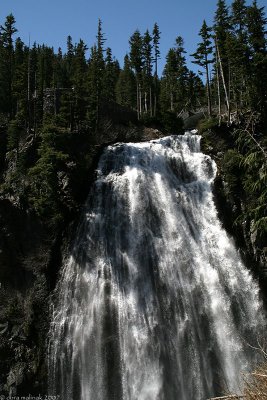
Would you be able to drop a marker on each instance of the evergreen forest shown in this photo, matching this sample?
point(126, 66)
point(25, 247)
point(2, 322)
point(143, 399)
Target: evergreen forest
point(49, 98)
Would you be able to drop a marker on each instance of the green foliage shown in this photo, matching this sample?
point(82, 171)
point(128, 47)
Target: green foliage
point(44, 191)
point(171, 123)
point(204, 48)
point(14, 132)
point(232, 168)
point(202, 57)
point(156, 38)
point(206, 124)
point(7, 32)
point(245, 171)
point(126, 86)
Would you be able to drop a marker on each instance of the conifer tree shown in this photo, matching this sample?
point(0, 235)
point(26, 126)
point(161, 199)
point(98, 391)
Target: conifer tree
point(93, 89)
point(79, 82)
point(137, 63)
point(100, 66)
point(182, 73)
point(221, 29)
point(19, 84)
point(202, 57)
point(256, 22)
point(68, 60)
point(195, 91)
point(169, 82)
point(126, 85)
point(238, 54)
point(238, 16)
point(256, 25)
point(7, 32)
point(156, 38)
point(147, 72)
point(111, 75)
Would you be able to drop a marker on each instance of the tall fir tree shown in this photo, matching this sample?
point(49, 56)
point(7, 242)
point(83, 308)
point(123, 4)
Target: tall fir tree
point(147, 73)
point(7, 32)
point(156, 38)
point(203, 58)
point(111, 75)
point(256, 25)
point(126, 85)
point(169, 82)
point(20, 78)
point(137, 63)
point(221, 29)
point(238, 55)
point(182, 73)
point(79, 82)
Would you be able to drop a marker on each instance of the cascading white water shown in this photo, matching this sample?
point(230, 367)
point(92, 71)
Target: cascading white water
point(154, 302)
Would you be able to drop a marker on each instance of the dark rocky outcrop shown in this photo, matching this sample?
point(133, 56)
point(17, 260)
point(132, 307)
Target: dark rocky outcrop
point(231, 205)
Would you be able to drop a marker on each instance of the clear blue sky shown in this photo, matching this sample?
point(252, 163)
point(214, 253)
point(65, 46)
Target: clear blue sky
point(50, 22)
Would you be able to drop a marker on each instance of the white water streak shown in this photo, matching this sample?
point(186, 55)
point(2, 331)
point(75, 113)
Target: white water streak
point(154, 302)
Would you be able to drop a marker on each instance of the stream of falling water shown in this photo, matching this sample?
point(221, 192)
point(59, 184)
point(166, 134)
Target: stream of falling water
point(154, 302)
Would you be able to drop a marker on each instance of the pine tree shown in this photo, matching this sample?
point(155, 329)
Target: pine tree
point(137, 63)
point(79, 82)
point(202, 54)
point(111, 75)
point(195, 91)
point(147, 72)
point(100, 69)
point(156, 38)
point(256, 22)
point(182, 73)
point(126, 86)
point(221, 24)
point(93, 89)
point(20, 78)
point(34, 94)
point(7, 32)
point(238, 54)
point(169, 81)
point(238, 16)
point(68, 61)
point(59, 77)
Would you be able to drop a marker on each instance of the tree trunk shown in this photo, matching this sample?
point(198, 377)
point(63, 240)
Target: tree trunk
point(156, 86)
point(150, 102)
point(137, 100)
point(222, 75)
point(229, 93)
point(145, 101)
point(140, 101)
point(28, 92)
point(171, 98)
point(218, 89)
point(208, 89)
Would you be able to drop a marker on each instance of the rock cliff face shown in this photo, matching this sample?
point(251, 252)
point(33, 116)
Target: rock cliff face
point(251, 243)
point(24, 256)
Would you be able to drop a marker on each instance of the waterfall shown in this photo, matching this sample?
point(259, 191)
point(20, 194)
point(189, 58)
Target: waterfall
point(154, 302)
